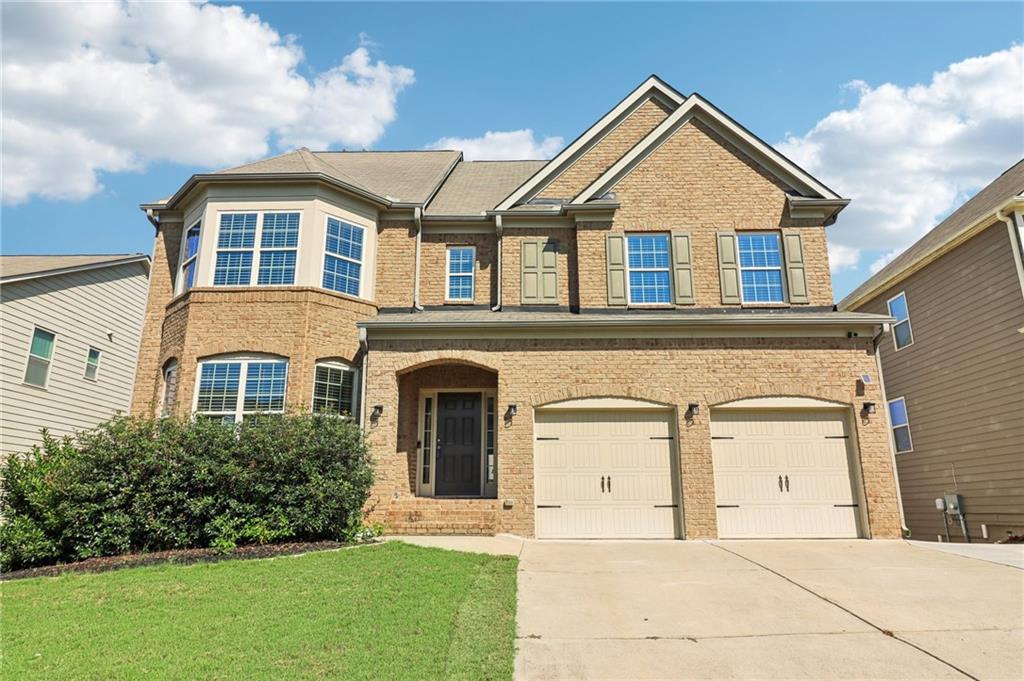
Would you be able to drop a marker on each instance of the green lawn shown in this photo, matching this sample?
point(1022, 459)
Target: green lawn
point(388, 611)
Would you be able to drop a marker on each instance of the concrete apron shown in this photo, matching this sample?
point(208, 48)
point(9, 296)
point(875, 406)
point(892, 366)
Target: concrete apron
point(767, 609)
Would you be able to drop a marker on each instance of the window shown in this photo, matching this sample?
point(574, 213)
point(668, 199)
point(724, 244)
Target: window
point(428, 438)
point(760, 268)
point(461, 268)
point(278, 237)
point(190, 257)
point(229, 390)
point(343, 258)
point(170, 388)
point(40, 353)
point(902, 334)
point(492, 469)
point(335, 389)
point(900, 425)
point(92, 364)
point(649, 274)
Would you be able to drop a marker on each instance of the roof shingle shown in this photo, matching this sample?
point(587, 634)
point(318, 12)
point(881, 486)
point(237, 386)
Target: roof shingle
point(475, 187)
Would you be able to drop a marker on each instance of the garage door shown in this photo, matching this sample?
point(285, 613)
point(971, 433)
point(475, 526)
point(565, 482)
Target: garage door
point(604, 474)
point(782, 474)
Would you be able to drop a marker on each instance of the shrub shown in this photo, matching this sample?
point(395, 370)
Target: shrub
point(136, 484)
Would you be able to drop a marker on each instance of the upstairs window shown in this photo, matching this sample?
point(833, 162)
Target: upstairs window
point(760, 268)
point(461, 268)
point(229, 390)
point(343, 257)
point(40, 355)
point(235, 242)
point(278, 238)
point(335, 389)
point(190, 257)
point(92, 364)
point(650, 279)
point(902, 334)
point(278, 247)
point(900, 424)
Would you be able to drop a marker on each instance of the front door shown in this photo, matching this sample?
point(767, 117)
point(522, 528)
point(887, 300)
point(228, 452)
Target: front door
point(458, 445)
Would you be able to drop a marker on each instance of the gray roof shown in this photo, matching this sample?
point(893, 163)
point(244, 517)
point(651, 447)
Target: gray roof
point(402, 176)
point(1001, 190)
point(25, 266)
point(475, 187)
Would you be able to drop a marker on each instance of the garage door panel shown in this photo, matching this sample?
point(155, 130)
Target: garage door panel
point(731, 488)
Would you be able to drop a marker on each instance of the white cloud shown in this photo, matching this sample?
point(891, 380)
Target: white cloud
point(508, 145)
point(111, 86)
point(907, 156)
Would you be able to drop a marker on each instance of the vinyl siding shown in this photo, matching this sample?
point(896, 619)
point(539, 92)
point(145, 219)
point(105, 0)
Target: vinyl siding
point(963, 380)
point(80, 308)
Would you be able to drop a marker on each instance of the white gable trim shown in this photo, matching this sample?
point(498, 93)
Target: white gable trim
point(695, 105)
point(653, 87)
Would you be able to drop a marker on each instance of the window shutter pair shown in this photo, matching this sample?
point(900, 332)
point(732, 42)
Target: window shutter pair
point(682, 268)
point(793, 260)
point(539, 264)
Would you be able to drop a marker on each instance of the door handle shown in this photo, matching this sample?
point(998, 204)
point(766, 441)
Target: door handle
point(602, 484)
point(787, 483)
point(780, 483)
point(609, 483)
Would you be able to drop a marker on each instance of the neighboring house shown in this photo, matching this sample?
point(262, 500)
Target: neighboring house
point(636, 338)
point(954, 364)
point(69, 342)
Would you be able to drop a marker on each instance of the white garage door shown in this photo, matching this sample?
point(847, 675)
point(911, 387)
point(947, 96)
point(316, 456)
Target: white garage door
point(782, 474)
point(604, 474)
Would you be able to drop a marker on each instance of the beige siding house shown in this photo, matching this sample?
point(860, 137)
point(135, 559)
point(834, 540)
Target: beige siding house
point(954, 366)
point(634, 339)
point(69, 342)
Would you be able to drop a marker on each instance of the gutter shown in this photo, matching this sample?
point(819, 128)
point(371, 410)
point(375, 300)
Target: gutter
point(497, 231)
point(892, 444)
point(417, 217)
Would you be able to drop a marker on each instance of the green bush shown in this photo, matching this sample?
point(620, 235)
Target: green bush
point(136, 485)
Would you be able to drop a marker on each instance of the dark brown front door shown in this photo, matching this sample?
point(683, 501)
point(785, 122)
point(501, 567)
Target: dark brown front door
point(458, 444)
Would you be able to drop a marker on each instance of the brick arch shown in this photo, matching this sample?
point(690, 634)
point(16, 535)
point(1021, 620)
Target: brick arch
point(577, 392)
point(829, 394)
point(422, 360)
point(229, 354)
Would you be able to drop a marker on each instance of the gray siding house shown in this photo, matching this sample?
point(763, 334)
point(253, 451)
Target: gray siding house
point(953, 366)
point(69, 340)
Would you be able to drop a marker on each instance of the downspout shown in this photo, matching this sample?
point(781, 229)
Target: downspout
point(497, 231)
point(364, 347)
point(892, 447)
point(417, 216)
point(1011, 227)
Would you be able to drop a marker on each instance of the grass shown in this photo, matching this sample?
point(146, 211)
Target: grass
point(388, 611)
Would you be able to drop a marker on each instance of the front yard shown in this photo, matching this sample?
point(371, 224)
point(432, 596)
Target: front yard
point(390, 611)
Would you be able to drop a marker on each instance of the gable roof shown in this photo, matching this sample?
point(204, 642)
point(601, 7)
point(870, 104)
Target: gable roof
point(753, 146)
point(474, 187)
point(652, 87)
point(976, 213)
point(21, 267)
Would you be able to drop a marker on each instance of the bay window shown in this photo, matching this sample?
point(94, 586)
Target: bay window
point(335, 389)
point(343, 257)
point(238, 234)
point(232, 388)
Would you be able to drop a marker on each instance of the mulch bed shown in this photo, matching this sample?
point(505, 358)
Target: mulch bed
point(177, 556)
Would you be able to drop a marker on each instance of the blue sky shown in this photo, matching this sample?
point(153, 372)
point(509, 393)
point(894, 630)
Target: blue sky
point(780, 69)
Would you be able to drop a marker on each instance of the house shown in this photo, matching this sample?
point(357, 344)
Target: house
point(954, 366)
point(69, 342)
point(636, 338)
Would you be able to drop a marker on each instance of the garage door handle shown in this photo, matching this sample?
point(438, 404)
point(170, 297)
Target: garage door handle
point(787, 483)
point(545, 506)
point(609, 483)
point(602, 484)
point(780, 483)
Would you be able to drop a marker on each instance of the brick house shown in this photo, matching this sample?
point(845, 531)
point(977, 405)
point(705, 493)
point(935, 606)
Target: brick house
point(636, 338)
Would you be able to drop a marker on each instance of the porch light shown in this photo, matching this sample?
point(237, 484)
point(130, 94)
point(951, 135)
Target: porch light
point(378, 409)
point(511, 411)
point(868, 408)
point(692, 409)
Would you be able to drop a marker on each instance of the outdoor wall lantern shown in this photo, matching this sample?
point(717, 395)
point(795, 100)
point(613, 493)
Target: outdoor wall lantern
point(868, 409)
point(692, 409)
point(511, 411)
point(378, 409)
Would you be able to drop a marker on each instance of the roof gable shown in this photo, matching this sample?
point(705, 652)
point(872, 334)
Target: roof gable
point(21, 267)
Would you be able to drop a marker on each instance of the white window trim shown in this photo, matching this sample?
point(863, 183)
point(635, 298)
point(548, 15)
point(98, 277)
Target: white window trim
point(671, 283)
point(49, 362)
point(906, 304)
point(448, 275)
point(345, 366)
point(893, 427)
point(427, 448)
point(325, 253)
point(245, 360)
point(781, 268)
point(256, 250)
point(179, 286)
point(99, 357)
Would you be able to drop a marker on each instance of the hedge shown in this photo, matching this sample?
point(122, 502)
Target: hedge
point(136, 485)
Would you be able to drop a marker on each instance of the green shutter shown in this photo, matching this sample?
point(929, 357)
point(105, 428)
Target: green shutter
point(615, 248)
point(796, 273)
point(530, 266)
point(549, 273)
point(728, 268)
point(682, 268)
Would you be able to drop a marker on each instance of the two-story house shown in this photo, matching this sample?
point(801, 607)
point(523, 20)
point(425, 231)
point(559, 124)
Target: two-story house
point(635, 338)
point(954, 367)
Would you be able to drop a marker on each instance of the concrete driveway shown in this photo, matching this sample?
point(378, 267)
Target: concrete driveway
point(765, 609)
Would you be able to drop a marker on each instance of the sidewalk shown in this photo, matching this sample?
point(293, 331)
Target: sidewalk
point(1003, 554)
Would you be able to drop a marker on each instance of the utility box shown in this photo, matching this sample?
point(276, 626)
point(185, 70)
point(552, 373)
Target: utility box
point(954, 504)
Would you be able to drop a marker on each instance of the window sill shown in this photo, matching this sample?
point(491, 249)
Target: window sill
point(767, 306)
point(460, 302)
point(652, 306)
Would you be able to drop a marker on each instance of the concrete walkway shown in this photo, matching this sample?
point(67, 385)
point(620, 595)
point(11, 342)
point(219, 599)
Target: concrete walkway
point(1004, 554)
point(767, 610)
